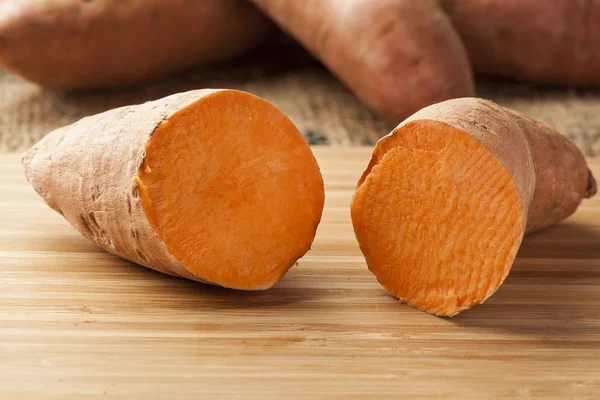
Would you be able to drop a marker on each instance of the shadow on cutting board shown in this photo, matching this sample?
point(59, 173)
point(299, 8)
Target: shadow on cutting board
point(272, 298)
point(552, 291)
point(191, 295)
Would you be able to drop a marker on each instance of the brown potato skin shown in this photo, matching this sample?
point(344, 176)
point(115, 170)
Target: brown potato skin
point(97, 159)
point(544, 42)
point(75, 44)
point(397, 56)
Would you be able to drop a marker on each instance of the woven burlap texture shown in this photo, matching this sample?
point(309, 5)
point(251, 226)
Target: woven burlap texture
point(322, 108)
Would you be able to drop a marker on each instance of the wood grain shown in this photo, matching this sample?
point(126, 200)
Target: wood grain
point(77, 323)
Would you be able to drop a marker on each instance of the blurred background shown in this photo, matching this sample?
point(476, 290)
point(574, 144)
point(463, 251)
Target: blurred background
point(42, 36)
point(324, 110)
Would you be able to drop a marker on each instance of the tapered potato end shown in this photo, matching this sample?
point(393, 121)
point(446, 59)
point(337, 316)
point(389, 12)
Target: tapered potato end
point(232, 189)
point(437, 217)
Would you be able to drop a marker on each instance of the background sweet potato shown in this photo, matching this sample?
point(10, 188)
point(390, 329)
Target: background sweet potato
point(548, 42)
point(74, 44)
point(397, 56)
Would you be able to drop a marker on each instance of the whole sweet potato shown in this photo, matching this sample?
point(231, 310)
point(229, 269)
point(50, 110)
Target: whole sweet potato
point(549, 42)
point(397, 56)
point(75, 44)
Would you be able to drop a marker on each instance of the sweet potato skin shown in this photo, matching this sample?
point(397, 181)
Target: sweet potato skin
point(563, 179)
point(533, 41)
point(75, 45)
point(103, 205)
point(397, 56)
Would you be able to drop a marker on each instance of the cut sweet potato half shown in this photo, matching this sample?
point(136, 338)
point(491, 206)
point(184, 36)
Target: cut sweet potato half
point(216, 186)
point(442, 208)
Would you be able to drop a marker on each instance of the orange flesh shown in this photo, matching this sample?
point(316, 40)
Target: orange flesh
point(232, 189)
point(438, 218)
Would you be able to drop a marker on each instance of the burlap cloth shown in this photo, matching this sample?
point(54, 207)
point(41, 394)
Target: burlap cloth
point(322, 108)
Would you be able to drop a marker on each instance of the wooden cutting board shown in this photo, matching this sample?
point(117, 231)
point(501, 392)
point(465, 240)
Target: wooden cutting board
point(77, 323)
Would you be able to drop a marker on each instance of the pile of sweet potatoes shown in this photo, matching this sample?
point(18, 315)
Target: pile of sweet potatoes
point(397, 56)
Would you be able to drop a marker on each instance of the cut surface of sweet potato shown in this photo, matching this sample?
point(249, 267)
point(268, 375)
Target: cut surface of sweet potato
point(231, 189)
point(440, 218)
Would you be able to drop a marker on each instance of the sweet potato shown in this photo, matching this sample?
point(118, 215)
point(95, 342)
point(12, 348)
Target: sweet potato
point(74, 44)
point(442, 208)
point(397, 56)
point(216, 186)
point(547, 42)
